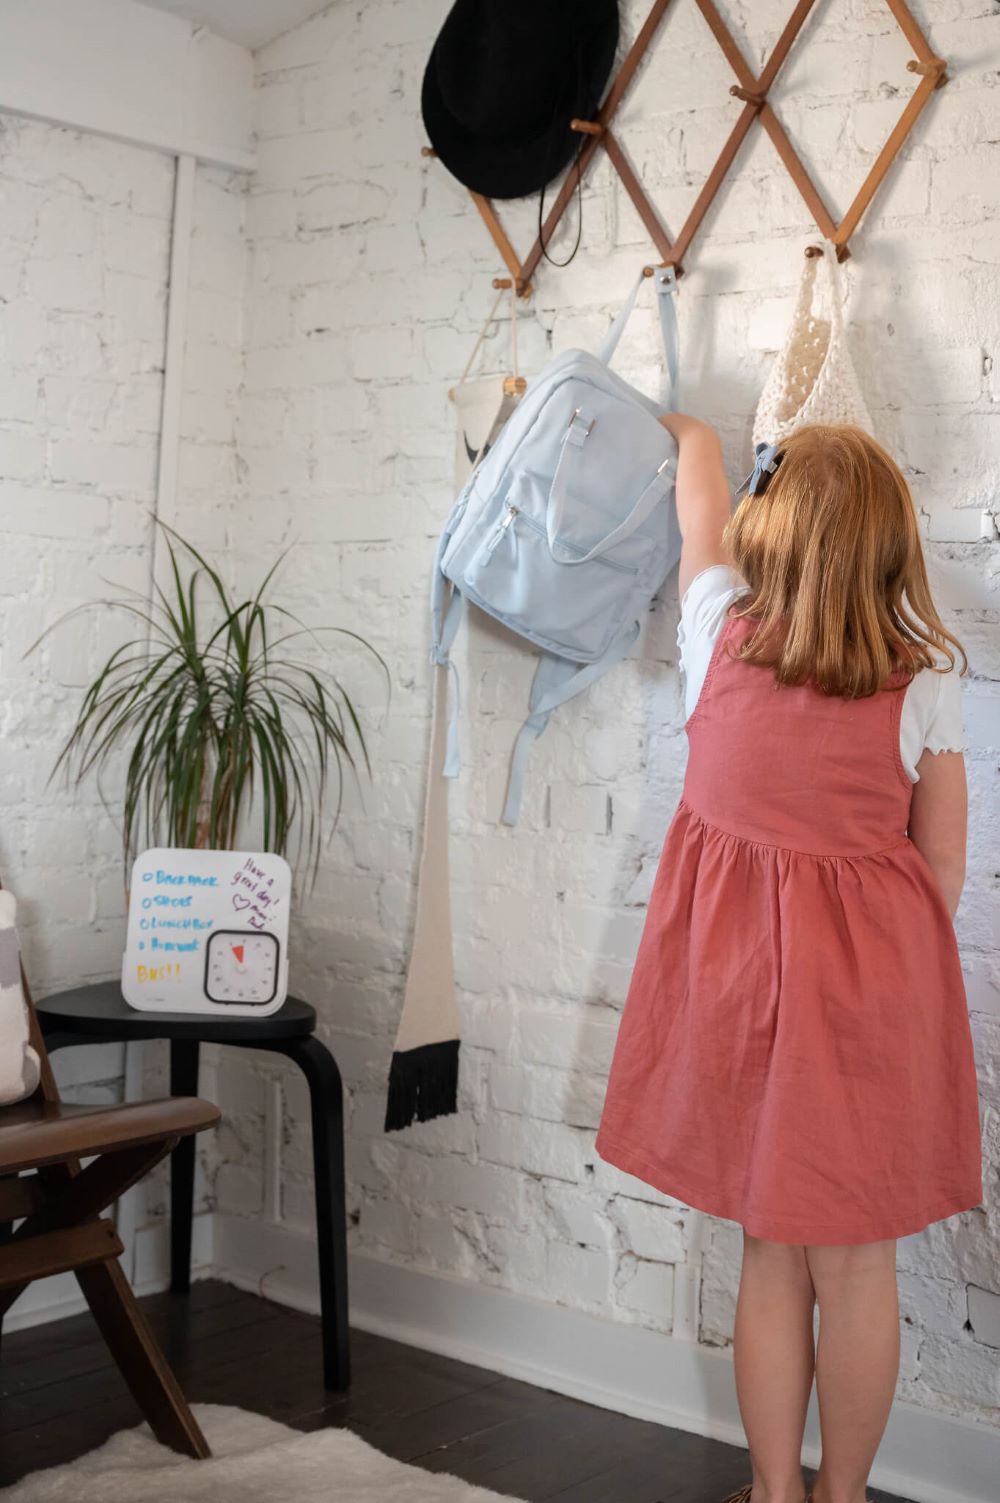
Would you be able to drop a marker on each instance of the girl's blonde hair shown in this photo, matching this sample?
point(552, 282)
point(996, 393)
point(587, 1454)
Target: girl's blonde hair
point(832, 554)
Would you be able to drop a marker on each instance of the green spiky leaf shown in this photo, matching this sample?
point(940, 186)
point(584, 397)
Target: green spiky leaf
point(214, 721)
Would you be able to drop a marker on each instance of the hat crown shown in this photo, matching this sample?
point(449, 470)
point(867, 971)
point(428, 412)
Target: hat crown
point(505, 78)
point(502, 73)
point(496, 77)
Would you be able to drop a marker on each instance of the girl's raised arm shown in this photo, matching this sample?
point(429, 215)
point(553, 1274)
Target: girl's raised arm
point(704, 500)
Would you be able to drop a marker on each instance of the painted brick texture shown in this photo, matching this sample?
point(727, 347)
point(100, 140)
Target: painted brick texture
point(84, 261)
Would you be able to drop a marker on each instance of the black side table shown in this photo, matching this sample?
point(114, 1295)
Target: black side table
point(99, 1014)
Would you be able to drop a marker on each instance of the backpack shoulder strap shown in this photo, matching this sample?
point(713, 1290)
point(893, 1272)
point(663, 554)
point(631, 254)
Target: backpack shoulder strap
point(556, 680)
point(447, 610)
point(665, 284)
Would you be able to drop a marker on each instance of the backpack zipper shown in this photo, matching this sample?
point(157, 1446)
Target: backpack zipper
point(506, 522)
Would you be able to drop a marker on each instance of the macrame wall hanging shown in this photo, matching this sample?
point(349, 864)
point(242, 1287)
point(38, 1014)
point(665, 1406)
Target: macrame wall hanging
point(753, 91)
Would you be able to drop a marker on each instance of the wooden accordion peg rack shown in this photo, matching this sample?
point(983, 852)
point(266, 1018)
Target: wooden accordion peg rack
point(753, 92)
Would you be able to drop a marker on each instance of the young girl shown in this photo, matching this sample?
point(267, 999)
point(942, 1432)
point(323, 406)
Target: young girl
point(795, 1052)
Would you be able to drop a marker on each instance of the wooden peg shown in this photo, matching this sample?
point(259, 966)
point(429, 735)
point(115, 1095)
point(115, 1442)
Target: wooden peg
point(843, 253)
point(748, 95)
point(935, 68)
point(587, 127)
point(427, 151)
point(512, 385)
point(522, 288)
point(929, 68)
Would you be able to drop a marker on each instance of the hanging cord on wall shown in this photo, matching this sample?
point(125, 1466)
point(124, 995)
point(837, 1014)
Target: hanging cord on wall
point(574, 167)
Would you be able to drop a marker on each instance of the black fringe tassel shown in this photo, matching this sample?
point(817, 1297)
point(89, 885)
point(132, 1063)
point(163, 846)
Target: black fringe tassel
point(423, 1083)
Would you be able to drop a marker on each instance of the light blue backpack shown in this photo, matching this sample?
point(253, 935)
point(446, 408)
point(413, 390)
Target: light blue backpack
point(566, 528)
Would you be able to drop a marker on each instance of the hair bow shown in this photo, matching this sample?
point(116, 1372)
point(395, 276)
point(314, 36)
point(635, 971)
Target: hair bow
point(766, 462)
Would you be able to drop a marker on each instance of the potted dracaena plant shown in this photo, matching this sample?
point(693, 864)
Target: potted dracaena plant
point(217, 709)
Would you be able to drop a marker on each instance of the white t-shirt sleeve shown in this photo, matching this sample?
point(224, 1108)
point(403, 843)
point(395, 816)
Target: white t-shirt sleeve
point(703, 613)
point(931, 718)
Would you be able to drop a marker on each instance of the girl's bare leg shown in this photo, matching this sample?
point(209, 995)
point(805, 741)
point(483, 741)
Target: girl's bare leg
point(857, 1361)
point(774, 1361)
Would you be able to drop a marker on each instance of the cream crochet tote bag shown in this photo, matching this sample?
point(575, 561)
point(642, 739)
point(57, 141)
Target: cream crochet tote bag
point(812, 380)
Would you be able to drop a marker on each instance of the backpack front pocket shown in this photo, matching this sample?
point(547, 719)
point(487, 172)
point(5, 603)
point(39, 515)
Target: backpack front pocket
point(576, 609)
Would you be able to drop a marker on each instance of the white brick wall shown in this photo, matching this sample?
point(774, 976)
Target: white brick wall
point(84, 260)
point(370, 277)
point(84, 239)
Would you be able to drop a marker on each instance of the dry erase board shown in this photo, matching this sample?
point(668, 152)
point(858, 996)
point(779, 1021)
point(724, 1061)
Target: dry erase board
point(208, 932)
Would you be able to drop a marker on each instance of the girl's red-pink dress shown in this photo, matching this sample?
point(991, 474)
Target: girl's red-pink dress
point(795, 1052)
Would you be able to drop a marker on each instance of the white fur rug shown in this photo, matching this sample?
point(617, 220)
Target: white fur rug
point(254, 1460)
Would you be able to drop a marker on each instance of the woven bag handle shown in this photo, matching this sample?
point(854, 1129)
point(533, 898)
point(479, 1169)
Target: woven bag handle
point(834, 287)
point(807, 304)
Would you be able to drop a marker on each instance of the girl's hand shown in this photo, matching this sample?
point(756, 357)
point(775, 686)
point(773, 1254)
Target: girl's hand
point(681, 425)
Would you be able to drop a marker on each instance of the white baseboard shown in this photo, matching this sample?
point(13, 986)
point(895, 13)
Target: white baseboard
point(58, 1297)
point(48, 1299)
point(927, 1456)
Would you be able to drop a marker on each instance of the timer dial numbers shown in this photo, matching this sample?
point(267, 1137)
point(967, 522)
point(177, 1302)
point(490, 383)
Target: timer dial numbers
point(241, 966)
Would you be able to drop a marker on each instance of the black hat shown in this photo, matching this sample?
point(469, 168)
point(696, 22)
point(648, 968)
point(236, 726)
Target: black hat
point(503, 81)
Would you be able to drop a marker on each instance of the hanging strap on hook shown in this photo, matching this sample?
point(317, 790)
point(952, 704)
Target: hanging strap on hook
point(478, 344)
point(502, 284)
point(665, 283)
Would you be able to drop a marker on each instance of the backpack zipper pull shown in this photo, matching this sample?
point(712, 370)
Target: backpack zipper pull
point(506, 522)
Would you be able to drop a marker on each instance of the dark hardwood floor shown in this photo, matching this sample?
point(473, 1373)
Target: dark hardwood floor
point(60, 1396)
